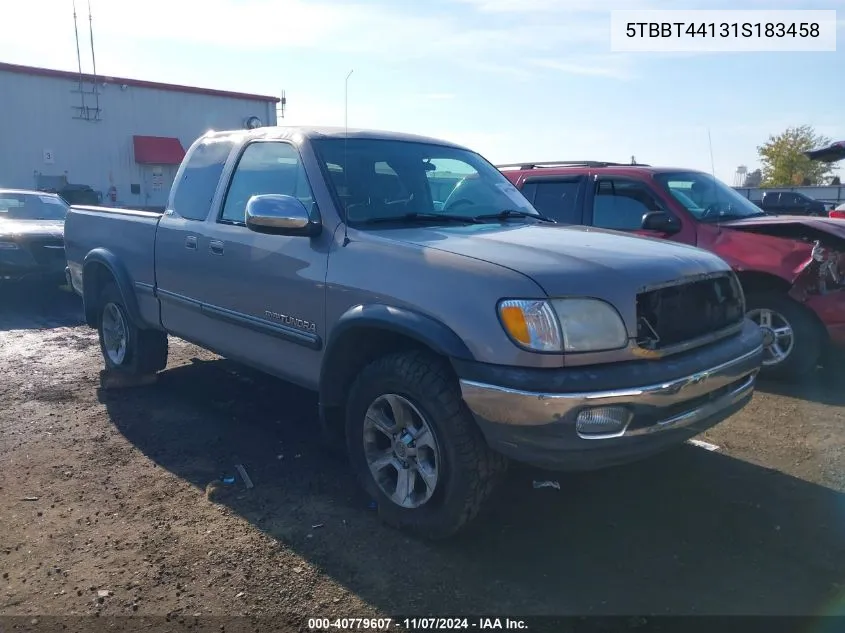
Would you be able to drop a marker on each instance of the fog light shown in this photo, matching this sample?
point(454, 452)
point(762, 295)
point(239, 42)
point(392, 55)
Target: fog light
point(602, 422)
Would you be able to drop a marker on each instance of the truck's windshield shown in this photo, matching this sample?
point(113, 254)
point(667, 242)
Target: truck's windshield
point(707, 198)
point(31, 206)
point(379, 179)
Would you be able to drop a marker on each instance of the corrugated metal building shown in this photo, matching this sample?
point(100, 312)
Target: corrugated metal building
point(123, 138)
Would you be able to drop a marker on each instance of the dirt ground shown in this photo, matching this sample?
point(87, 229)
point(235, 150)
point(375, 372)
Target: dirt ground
point(111, 504)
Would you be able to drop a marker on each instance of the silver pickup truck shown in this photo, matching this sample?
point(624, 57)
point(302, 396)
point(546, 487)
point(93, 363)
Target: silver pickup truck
point(446, 325)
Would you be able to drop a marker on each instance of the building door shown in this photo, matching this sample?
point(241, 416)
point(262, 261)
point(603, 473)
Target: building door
point(157, 182)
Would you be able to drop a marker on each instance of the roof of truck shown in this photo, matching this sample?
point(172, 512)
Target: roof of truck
point(315, 132)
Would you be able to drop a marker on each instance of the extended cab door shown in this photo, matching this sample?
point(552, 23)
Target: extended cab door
point(265, 292)
point(179, 261)
point(622, 204)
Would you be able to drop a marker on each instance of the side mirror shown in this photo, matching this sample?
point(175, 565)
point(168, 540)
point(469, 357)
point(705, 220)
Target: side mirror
point(280, 215)
point(661, 222)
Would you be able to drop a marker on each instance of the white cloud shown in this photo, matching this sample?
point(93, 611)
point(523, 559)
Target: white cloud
point(392, 32)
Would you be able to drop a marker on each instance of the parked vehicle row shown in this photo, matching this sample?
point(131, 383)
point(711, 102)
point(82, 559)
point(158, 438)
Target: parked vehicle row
point(446, 328)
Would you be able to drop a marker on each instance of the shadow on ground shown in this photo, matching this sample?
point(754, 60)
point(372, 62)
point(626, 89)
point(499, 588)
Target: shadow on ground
point(32, 306)
point(826, 385)
point(686, 532)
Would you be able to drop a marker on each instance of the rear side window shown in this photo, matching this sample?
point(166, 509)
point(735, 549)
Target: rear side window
point(556, 199)
point(195, 189)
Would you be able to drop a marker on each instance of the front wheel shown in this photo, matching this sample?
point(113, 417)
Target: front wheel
point(792, 338)
point(125, 347)
point(416, 449)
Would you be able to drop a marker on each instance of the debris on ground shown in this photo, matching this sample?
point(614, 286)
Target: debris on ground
point(547, 484)
point(244, 476)
point(705, 445)
point(29, 499)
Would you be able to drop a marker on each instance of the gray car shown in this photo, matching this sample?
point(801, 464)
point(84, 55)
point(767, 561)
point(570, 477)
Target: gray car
point(31, 236)
point(445, 328)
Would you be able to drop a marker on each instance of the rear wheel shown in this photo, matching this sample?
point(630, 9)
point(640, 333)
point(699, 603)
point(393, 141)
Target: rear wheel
point(416, 449)
point(792, 338)
point(125, 347)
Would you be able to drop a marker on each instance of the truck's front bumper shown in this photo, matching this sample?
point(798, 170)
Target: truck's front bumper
point(658, 403)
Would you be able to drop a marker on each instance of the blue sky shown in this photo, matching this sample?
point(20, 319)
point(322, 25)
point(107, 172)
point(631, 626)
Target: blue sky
point(514, 79)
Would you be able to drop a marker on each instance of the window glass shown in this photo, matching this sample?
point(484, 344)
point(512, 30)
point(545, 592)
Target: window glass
point(30, 206)
point(196, 187)
point(558, 200)
point(621, 205)
point(706, 198)
point(389, 179)
point(266, 167)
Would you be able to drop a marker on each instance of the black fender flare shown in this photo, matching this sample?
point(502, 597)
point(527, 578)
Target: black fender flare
point(107, 259)
point(422, 328)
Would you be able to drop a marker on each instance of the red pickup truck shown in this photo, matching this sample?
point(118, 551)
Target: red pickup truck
point(791, 267)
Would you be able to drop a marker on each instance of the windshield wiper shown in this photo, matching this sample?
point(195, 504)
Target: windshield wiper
point(513, 213)
point(423, 217)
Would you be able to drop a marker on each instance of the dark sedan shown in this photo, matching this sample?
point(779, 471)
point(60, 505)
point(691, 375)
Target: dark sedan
point(32, 236)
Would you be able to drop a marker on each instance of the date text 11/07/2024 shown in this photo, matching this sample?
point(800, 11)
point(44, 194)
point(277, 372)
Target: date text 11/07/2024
point(416, 624)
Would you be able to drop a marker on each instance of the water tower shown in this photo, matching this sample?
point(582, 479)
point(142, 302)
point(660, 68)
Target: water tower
point(739, 175)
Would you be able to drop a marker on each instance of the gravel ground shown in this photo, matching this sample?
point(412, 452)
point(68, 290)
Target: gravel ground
point(111, 504)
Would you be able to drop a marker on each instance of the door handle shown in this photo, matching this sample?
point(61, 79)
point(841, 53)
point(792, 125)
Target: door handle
point(191, 242)
point(216, 247)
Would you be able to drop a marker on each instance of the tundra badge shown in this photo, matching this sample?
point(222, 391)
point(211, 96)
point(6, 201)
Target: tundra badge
point(299, 324)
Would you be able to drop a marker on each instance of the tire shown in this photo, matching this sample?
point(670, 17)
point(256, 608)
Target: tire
point(143, 351)
point(807, 335)
point(467, 471)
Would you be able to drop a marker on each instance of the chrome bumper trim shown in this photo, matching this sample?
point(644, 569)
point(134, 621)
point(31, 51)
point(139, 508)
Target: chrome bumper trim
point(502, 405)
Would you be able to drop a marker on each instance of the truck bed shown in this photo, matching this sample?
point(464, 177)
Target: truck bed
point(130, 238)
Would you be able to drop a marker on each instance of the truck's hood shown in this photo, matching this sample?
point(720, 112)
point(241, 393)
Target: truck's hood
point(829, 231)
point(568, 259)
point(31, 228)
point(833, 226)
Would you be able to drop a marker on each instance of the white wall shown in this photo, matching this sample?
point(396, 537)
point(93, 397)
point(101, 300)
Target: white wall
point(37, 115)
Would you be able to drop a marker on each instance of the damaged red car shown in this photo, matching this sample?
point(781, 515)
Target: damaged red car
point(791, 267)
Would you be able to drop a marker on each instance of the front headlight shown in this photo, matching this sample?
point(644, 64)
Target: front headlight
point(563, 325)
point(590, 325)
point(8, 246)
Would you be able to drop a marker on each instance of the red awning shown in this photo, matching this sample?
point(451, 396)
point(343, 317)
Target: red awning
point(158, 150)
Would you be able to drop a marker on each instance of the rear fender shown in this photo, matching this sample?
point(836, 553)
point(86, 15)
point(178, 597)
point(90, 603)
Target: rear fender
point(102, 257)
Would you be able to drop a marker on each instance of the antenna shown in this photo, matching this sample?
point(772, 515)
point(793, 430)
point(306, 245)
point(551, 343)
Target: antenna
point(712, 164)
point(345, 163)
point(93, 58)
point(78, 56)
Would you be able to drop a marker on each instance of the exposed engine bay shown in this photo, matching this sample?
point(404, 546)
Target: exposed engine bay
point(824, 270)
point(680, 313)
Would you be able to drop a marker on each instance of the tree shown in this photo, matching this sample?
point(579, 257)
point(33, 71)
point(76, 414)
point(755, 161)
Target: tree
point(784, 163)
point(753, 178)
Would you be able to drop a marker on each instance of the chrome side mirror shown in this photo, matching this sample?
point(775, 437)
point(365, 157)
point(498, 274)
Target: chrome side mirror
point(280, 215)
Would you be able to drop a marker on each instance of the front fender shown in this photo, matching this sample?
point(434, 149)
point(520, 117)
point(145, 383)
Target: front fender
point(90, 291)
point(423, 328)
